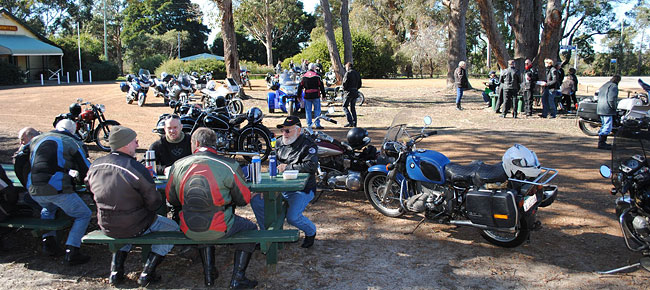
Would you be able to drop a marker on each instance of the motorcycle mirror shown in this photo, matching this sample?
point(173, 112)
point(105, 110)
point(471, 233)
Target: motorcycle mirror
point(330, 110)
point(427, 120)
point(605, 171)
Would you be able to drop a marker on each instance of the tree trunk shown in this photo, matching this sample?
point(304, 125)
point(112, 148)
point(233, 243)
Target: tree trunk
point(345, 28)
point(525, 22)
point(551, 36)
point(269, 36)
point(494, 36)
point(229, 40)
point(457, 37)
point(331, 40)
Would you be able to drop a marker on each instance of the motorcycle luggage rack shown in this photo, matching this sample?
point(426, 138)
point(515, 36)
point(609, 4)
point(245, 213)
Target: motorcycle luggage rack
point(538, 181)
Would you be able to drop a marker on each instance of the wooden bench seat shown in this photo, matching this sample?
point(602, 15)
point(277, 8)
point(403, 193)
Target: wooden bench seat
point(37, 225)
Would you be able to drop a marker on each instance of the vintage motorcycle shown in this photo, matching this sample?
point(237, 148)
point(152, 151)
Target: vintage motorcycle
point(501, 199)
point(228, 90)
point(137, 86)
point(337, 95)
point(285, 95)
point(630, 175)
point(85, 119)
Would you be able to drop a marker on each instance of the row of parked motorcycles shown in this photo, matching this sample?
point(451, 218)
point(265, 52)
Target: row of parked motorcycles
point(169, 87)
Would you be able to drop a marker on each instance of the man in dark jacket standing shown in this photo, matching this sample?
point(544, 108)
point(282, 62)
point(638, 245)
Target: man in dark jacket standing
point(550, 88)
point(607, 102)
point(530, 79)
point(511, 81)
point(127, 201)
point(461, 82)
point(294, 151)
point(58, 157)
point(314, 90)
point(351, 86)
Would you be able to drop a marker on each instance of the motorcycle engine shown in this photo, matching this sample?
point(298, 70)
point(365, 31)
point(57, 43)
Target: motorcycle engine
point(351, 181)
point(642, 226)
point(222, 140)
point(430, 197)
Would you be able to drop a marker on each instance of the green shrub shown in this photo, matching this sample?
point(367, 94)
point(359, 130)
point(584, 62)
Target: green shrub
point(175, 66)
point(104, 71)
point(256, 68)
point(11, 74)
point(150, 63)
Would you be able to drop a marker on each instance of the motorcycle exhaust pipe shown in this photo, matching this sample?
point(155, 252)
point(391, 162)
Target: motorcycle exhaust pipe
point(482, 227)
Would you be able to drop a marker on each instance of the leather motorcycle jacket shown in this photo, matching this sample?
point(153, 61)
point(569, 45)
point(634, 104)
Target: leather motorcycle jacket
point(301, 155)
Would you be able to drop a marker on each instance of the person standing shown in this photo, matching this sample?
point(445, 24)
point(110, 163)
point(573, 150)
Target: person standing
point(549, 89)
point(297, 152)
point(572, 75)
point(530, 79)
point(314, 89)
point(55, 157)
point(461, 82)
point(511, 82)
point(607, 103)
point(278, 67)
point(208, 187)
point(351, 86)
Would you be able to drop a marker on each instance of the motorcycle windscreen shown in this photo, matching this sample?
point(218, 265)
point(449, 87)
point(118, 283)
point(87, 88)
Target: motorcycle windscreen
point(492, 208)
point(426, 166)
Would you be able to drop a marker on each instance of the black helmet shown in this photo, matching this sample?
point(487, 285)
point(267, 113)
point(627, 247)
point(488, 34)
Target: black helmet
point(220, 101)
point(358, 137)
point(75, 109)
point(255, 115)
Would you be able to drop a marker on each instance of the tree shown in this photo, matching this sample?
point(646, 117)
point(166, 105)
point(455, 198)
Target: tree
point(229, 39)
point(457, 49)
point(335, 58)
point(345, 28)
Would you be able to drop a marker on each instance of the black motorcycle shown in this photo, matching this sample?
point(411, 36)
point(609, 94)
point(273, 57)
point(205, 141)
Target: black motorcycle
point(85, 119)
point(630, 175)
point(232, 139)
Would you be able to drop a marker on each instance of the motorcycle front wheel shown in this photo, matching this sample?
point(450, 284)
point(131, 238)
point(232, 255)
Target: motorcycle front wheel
point(360, 100)
point(290, 108)
point(254, 139)
point(506, 239)
point(141, 99)
point(390, 206)
point(236, 107)
point(589, 128)
point(101, 134)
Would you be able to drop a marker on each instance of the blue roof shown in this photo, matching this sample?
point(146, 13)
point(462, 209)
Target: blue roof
point(202, 56)
point(25, 45)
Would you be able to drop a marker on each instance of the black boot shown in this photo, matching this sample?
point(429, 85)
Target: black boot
point(239, 280)
point(149, 272)
point(602, 139)
point(209, 269)
point(73, 256)
point(51, 247)
point(458, 107)
point(117, 268)
point(308, 241)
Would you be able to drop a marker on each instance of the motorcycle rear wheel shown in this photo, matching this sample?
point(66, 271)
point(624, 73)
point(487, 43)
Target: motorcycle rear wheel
point(508, 240)
point(129, 100)
point(290, 108)
point(255, 139)
point(360, 100)
point(589, 128)
point(373, 183)
point(101, 134)
point(236, 107)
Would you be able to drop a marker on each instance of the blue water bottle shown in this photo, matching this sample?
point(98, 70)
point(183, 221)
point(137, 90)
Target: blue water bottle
point(273, 166)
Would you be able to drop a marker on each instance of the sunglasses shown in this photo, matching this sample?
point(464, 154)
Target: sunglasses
point(286, 130)
point(174, 116)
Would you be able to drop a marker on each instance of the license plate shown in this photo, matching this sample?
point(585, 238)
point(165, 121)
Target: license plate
point(530, 202)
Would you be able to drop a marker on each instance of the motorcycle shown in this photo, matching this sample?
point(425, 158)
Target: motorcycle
point(252, 139)
point(630, 175)
point(229, 90)
point(136, 87)
point(500, 202)
point(285, 95)
point(330, 78)
point(182, 89)
point(589, 121)
point(337, 95)
point(271, 79)
point(162, 87)
point(244, 75)
point(85, 119)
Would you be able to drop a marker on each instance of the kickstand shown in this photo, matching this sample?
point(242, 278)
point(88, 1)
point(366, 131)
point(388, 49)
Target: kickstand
point(614, 271)
point(416, 226)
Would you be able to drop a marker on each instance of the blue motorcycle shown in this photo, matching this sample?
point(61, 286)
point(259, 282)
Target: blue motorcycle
point(137, 86)
point(501, 199)
point(285, 95)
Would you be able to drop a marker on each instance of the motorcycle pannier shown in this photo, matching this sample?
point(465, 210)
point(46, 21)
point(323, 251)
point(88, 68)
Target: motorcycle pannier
point(492, 208)
point(587, 110)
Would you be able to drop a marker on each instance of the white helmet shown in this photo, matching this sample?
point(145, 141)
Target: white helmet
point(518, 158)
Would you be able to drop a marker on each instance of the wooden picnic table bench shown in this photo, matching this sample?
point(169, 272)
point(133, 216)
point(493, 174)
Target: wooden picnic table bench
point(37, 226)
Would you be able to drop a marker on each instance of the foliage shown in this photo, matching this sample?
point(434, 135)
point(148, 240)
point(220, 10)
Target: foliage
point(175, 66)
point(91, 50)
point(150, 62)
point(11, 74)
point(255, 68)
point(104, 71)
point(428, 52)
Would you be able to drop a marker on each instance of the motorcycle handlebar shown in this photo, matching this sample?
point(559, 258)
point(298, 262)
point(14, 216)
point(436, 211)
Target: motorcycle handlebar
point(328, 119)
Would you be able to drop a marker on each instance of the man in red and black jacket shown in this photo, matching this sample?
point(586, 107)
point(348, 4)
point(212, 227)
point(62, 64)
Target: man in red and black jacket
point(314, 90)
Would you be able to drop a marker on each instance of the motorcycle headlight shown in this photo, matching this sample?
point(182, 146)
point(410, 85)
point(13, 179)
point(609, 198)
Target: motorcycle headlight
point(102, 108)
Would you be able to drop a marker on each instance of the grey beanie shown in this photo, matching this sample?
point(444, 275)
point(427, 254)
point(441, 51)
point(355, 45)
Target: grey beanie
point(120, 137)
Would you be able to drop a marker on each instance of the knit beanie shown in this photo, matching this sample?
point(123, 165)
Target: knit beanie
point(120, 137)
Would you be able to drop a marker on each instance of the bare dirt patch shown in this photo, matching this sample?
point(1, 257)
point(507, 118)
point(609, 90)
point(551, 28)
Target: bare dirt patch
point(356, 246)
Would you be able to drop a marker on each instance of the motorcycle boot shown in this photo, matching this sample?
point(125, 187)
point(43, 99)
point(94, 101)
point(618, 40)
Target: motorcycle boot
point(73, 256)
point(209, 269)
point(239, 280)
point(602, 139)
point(148, 275)
point(117, 267)
point(51, 247)
point(458, 107)
point(308, 242)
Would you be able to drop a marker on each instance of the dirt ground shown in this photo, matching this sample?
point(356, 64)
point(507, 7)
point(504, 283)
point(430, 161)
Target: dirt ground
point(357, 247)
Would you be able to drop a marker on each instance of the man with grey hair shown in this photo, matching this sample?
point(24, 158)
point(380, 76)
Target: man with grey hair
point(461, 82)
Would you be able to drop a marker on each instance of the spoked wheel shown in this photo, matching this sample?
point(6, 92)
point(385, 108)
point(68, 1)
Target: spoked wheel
point(506, 239)
point(101, 134)
point(254, 139)
point(589, 128)
point(374, 185)
point(236, 107)
point(360, 100)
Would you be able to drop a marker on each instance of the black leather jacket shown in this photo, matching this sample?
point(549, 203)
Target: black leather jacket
point(301, 155)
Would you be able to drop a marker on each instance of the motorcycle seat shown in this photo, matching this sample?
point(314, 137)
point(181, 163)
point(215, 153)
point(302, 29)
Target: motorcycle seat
point(455, 172)
point(486, 173)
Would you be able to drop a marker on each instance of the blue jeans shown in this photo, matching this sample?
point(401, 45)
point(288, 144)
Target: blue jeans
point(73, 206)
point(160, 224)
point(298, 201)
point(309, 103)
point(486, 98)
point(459, 95)
point(606, 128)
point(548, 102)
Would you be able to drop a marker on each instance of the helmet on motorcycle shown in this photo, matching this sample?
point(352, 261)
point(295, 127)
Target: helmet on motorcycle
point(220, 101)
point(358, 137)
point(255, 115)
point(75, 109)
point(124, 87)
point(519, 160)
point(195, 74)
point(163, 75)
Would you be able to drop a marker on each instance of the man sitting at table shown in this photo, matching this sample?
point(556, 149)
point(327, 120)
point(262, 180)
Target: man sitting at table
point(174, 145)
point(127, 201)
point(208, 187)
point(294, 151)
point(22, 167)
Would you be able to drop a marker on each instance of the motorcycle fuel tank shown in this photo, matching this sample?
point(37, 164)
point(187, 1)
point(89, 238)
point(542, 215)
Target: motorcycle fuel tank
point(426, 166)
point(216, 121)
point(326, 149)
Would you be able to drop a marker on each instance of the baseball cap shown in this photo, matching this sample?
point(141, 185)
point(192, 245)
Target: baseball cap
point(290, 121)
